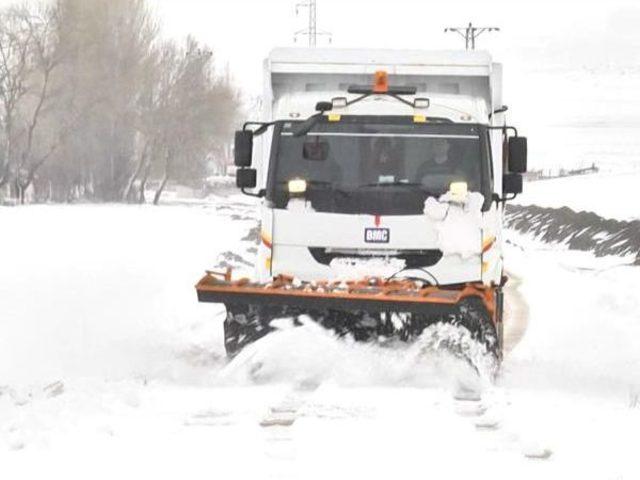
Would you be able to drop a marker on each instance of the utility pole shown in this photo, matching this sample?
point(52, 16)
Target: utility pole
point(471, 33)
point(312, 30)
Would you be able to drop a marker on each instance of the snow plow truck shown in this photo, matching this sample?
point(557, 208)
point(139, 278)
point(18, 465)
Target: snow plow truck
point(382, 177)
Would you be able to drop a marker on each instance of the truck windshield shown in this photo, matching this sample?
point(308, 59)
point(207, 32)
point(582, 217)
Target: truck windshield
point(356, 163)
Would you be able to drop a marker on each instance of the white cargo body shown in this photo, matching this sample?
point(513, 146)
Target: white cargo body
point(291, 71)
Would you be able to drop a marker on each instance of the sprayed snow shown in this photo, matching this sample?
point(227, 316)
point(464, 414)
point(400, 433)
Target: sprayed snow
point(459, 222)
point(310, 353)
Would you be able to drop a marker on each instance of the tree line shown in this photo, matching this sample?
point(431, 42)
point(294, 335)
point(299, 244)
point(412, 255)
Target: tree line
point(95, 105)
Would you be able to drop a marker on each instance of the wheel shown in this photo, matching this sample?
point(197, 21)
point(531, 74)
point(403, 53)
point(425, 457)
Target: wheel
point(244, 325)
point(473, 315)
point(475, 318)
point(232, 337)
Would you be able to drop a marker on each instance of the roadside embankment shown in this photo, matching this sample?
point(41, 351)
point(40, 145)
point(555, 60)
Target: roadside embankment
point(585, 231)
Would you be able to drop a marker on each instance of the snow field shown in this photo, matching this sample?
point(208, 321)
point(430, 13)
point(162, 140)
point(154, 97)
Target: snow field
point(610, 195)
point(109, 368)
point(574, 118)
point(104, 290)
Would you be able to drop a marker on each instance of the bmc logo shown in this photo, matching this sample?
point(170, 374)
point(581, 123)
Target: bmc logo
point(376, 235)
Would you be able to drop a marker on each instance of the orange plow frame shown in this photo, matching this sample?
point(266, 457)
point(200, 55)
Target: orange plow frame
point(371, 294)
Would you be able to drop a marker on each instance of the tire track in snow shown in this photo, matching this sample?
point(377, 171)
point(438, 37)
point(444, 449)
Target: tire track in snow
point(285, 412)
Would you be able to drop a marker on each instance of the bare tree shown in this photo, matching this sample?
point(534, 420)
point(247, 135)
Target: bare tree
point(199, 110)
point(111, 42)
point(14, 54)
point(94, 106)
point(28, 58)
point(154, 111)
point(45, 58)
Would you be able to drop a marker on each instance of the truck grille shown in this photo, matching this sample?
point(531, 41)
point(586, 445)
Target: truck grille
point(412, 258)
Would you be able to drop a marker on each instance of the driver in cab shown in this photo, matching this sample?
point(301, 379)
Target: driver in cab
point(439, 169)
point(387, 165)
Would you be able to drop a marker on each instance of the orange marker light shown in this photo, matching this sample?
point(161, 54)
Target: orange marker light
point(381, 82)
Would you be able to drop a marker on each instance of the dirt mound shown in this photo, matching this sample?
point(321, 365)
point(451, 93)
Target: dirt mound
point(584, 231)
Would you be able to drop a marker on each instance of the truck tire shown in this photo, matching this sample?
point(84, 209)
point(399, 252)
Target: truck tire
point(244, 325)
point(475, 318)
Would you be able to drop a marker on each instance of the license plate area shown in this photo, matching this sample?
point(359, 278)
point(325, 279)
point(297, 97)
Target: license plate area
point(377, 235)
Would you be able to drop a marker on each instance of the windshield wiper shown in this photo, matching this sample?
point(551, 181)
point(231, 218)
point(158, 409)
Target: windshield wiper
point(307, 125)
point(314, 183)
point(391, 184)
point(320, 183)
point(325, 186)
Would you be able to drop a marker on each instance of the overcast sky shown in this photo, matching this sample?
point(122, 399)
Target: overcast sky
point(567, 62)
point(555, 37)
point(563, 58)
point(535, 34)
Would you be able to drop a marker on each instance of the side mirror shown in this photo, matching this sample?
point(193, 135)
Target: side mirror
point(324, 107)
point(246, 178)
point(501, 109)
point(243, 148)
point(512, 184)
point(518, 154)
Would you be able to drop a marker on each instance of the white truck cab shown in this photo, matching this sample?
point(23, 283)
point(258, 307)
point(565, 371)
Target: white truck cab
point(386, 135)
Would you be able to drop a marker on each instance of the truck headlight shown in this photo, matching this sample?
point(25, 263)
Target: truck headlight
point(297, 186)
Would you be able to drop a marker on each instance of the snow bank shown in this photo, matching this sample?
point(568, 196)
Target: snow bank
point(106, 290)
point(583, 327)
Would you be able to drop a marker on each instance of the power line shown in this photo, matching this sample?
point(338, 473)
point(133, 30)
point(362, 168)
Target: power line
point(471, 33)
point(312, 30)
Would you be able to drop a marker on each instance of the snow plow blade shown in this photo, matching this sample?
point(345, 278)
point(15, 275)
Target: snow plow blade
point(373, 295)
point(368, 309)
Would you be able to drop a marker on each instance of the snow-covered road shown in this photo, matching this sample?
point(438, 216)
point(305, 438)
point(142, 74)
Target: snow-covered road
point(109, 368)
